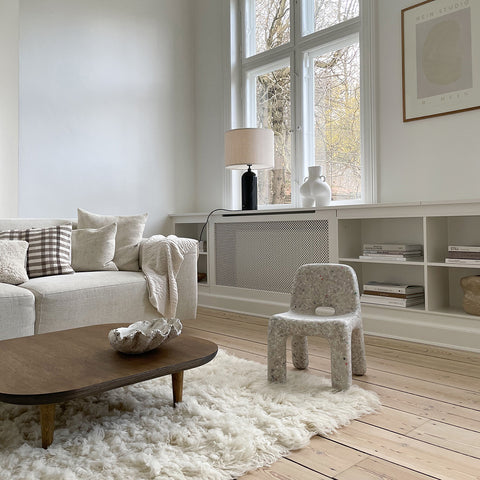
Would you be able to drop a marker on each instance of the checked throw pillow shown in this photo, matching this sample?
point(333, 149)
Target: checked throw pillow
point(48, 249)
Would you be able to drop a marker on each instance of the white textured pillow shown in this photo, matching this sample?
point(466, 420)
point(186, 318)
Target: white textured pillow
point(93, 249)
point(127, 241)
point(13, 257)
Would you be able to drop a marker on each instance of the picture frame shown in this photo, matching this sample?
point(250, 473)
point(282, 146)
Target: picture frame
point(440, 63)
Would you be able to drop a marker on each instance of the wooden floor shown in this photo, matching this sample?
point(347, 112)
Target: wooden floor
point(428, 426)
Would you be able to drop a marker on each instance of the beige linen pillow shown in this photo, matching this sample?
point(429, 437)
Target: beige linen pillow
point(93, 248)
point(127, 241)
point(13, 258)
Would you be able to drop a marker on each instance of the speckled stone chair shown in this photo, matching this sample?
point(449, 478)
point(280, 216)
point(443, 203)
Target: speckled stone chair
point(320, 285)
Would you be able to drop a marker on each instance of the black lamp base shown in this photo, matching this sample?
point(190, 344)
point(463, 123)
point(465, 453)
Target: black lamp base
point(249, 190)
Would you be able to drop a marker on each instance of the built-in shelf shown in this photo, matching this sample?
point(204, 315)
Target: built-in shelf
point(418, 308)
point(390, 262)
point(192, 226)
point(453, 265)
point(435, 226)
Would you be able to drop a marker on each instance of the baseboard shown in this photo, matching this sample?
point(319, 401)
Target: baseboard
point(415, 326)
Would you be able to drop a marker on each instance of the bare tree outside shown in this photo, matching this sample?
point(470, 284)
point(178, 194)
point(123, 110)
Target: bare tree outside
point(274, 111)
point(336, 109)
point(330, 12)
point(337, 120)
point(273, 102)
point(272, 24)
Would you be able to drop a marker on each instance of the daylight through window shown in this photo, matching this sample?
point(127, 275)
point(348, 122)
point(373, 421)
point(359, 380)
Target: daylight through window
point(301, 70)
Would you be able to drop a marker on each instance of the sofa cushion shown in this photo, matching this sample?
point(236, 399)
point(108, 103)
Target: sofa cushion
point(129, 234)
point(93, 248)
point(13, 257)
point(48, 249)
point(89, 298)
point(17, 312)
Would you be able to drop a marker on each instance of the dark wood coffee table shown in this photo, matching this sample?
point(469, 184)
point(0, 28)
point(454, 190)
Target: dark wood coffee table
point(54, 367)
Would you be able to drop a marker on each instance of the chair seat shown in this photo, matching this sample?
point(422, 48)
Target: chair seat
point(307, 318)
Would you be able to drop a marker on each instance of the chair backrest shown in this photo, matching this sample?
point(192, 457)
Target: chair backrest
point(325, 285)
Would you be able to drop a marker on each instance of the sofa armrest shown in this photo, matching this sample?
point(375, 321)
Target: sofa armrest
point(187, 284)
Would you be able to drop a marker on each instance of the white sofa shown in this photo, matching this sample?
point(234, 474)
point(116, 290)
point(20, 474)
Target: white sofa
point(59, 302)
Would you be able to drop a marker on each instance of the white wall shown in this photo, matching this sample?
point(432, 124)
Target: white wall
point(8, 108)
point(211, 50)
point(106, 108)
point(122, 110)
point(431, 159)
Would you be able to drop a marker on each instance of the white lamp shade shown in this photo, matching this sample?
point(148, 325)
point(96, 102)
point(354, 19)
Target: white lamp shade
point(249, 146)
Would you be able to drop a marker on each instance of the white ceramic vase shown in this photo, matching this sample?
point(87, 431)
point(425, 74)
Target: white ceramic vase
point(315, 191)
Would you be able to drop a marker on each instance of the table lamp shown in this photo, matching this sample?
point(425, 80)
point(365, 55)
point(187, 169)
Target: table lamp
point(252, 147)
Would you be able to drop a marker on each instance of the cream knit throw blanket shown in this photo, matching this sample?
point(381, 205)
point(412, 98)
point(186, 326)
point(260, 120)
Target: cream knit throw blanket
point(161, 261)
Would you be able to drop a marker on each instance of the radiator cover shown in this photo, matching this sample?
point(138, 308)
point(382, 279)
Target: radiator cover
point(265, 255)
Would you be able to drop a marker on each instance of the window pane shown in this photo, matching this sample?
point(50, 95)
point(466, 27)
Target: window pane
point(272, 24)
point(320, 14)
point(337, 120)
point(273, 110)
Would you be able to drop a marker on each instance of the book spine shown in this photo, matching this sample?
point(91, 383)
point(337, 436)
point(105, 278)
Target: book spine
point(460, 254)
point(463, 248)
point(394, 295)
point(410, 253)
point(394, 302)
point(396, 258)
point(463, 261)
point(386, 288)
point(397, 247)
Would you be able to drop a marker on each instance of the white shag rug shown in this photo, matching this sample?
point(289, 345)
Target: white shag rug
point(231, 421)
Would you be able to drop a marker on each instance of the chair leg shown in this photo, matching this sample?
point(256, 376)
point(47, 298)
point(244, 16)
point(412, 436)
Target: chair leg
point(341, 365)
point(359, 362)
point(277, 355)
point(300, 351)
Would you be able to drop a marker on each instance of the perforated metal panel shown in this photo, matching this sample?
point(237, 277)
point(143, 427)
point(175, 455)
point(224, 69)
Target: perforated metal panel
point(265, 255)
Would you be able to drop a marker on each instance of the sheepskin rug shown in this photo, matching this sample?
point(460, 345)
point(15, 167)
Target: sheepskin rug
point(231, 421)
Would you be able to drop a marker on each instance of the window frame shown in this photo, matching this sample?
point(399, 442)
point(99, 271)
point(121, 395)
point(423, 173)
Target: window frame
point(243, 67)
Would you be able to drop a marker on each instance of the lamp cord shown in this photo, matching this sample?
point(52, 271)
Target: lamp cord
point(208, 218)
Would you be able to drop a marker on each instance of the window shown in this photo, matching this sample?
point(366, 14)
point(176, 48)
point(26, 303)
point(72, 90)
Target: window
point(303, 76)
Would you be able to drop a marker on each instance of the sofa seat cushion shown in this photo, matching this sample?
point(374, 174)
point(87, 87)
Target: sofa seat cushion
point(17, 312)
point(89, 298)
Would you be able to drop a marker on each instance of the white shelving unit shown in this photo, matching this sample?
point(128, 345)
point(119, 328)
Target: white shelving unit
point(441, 320)
point(190, 226)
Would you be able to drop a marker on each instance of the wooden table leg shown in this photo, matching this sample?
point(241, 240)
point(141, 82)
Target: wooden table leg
point(47, 424)
point(177, 384)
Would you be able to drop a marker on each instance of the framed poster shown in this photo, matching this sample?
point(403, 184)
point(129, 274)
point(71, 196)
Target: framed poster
point(440, 58)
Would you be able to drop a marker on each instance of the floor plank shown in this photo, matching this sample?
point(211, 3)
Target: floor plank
point(326, 457)
point(284, 470)
point(449, 437)
point(407, 452)
point(377, 469)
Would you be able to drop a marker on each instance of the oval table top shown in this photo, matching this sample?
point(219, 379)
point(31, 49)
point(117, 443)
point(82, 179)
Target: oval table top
point(58, 366)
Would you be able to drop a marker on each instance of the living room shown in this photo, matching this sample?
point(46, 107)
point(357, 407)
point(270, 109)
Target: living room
point(120, 107)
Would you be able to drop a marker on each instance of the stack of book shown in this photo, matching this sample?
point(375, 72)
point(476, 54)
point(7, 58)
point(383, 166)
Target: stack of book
point(463, 254)
point(393, 294)
point(392, 251)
